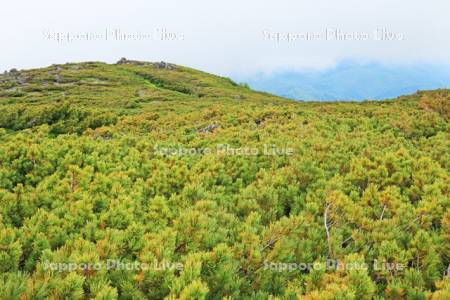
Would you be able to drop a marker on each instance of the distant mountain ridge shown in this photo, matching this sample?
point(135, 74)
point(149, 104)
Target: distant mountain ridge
point(352, 81)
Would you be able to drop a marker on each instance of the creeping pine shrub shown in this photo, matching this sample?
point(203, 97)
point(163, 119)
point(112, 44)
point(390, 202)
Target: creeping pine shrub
point(62, 118)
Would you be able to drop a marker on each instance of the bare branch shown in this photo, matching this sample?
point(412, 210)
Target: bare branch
point(325, 222)
point(382, 213)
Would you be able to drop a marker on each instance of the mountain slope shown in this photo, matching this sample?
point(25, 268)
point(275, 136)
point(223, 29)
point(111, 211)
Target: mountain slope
point(353, 81)
point(151, 180)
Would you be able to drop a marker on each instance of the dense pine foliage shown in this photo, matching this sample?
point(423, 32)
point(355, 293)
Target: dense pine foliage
point(94, 166)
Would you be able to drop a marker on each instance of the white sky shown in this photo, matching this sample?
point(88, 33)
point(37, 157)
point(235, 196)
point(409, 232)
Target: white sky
point(224, 37)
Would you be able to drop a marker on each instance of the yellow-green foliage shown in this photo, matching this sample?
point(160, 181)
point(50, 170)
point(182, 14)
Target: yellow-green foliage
point(83, 180)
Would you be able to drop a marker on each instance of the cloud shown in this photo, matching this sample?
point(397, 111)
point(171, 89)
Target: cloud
point(226, 37)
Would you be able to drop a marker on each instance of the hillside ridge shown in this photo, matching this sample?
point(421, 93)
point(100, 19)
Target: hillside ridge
point(156, 181)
